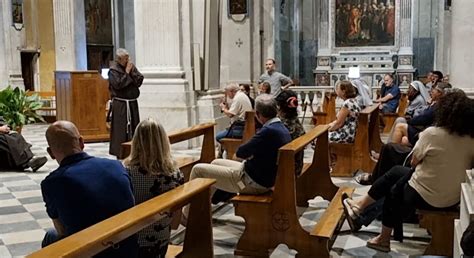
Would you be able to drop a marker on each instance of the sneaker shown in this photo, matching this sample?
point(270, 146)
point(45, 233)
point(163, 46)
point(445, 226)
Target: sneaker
point(36, 163)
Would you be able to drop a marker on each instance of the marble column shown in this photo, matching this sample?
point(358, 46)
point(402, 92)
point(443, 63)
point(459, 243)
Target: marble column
point(11, 43)
point(163, 55)
point(70, 35)
point(461, 60)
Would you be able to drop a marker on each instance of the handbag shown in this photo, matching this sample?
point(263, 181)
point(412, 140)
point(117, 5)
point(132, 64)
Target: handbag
point(236, 124)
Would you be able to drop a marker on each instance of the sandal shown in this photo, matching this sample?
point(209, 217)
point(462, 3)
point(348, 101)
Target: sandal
point(382, 247)
point(364, 179)
point(374, 155)
point(351, 211)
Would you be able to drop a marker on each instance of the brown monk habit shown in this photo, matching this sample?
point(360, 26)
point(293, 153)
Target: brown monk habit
point(124, 92)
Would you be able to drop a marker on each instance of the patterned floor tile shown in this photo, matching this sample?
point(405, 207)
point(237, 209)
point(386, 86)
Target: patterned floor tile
point(23, 218)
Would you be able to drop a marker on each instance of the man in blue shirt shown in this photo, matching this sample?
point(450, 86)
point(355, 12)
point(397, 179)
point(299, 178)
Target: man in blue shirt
point(84, 190)
point(257, 173)
point(389, 95)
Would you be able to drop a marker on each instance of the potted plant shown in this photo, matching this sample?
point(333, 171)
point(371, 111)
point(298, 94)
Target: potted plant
point(19, 109)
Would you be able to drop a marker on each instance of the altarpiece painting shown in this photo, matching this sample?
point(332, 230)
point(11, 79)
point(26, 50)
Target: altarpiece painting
point(362, 23)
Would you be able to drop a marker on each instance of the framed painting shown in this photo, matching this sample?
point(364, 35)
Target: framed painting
point(17, 11)
point(238, 7)
point(365, 23)
point(98, 16)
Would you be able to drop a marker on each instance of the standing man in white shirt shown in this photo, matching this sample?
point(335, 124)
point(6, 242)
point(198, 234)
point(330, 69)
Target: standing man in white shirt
point(278, 81)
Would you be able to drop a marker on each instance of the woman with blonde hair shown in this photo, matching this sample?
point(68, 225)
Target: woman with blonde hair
point(153, 172)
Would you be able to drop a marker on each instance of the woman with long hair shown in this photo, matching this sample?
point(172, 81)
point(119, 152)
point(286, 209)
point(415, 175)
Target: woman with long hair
point(439, 162)
point(153, 172)
point(287, 103)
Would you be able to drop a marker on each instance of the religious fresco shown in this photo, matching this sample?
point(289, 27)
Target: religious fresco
point(98, 21)
point(361, 23)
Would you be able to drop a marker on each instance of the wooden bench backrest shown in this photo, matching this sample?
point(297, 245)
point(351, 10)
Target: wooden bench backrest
point(206, 129)
point(102, 235)
point(328, 110)
point(284, 195)
point(42, 94)
point(402, 104)
point(249, 128)
point(330, 106)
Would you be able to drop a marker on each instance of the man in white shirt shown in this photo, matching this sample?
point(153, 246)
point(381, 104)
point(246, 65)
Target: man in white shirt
point(236, 112)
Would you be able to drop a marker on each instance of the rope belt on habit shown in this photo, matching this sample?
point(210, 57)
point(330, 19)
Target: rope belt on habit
point(129, 115)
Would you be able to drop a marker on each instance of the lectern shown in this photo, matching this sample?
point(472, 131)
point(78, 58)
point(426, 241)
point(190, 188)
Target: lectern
point(81, 97)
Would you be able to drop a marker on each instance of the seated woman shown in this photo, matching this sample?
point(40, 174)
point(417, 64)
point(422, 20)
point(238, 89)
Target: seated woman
point(287, 103)
point(265, 88)
point(407, 134)
point(440, 159)
point(153, 172)
point(363, 93)
point(418, 96)
point(245, 88)
point(343, 129)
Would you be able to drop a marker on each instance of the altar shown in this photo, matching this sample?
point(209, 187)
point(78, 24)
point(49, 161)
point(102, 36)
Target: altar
point(374, 35)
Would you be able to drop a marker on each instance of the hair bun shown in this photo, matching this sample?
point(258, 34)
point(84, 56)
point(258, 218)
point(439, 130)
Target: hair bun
point(292, 102)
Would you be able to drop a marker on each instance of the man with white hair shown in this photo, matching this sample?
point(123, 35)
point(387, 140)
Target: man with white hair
point(236, 112)
point(124, 81)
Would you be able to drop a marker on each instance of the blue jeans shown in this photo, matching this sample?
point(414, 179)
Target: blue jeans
point(236, 132)
point(50, 237)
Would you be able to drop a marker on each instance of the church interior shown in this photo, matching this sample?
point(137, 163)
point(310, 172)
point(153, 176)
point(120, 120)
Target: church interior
point(377, 159)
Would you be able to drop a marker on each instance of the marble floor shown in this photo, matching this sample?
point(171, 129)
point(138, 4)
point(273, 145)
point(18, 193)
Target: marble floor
point(23, 219)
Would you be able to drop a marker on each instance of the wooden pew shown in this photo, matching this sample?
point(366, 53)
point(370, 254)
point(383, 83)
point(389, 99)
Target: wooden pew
point(389, 118)
point(231, 145)
point(353, 156)
point(186, 164)
point(48, 110)
point(440, 224)
point(328, 113)
point(272, 219)
point(198, 240)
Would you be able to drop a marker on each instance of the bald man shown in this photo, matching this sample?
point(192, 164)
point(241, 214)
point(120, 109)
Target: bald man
point(84, 190)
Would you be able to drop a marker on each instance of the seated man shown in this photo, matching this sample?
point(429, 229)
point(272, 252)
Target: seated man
point(434, 77)
point(84, 190)
point(15, 153)
point(389, 95)
point(257, 174)
point(240, 104)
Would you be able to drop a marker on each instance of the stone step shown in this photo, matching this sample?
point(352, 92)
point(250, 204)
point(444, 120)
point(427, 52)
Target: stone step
point(467, 205)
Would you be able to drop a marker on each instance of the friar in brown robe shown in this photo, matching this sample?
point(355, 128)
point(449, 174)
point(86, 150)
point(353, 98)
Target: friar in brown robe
point(124, 81)
point(15, 152)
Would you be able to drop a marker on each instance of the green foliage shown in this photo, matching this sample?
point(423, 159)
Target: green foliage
point(19, 109)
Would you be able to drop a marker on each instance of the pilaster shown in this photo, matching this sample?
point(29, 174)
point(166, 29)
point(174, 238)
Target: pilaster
point(163, 55)
point(236, 47)
point(405, 53)
point(461, 58)
point(70, 35)
point(11, 45)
